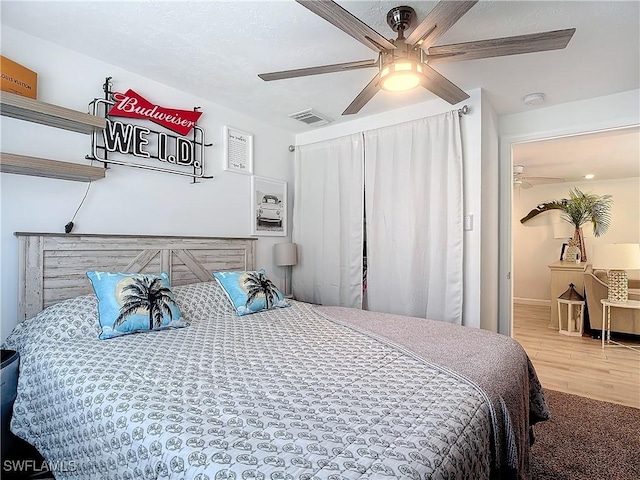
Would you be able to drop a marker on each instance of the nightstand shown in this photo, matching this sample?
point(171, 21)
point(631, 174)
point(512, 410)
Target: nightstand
point(20, 461)
point(8, 387)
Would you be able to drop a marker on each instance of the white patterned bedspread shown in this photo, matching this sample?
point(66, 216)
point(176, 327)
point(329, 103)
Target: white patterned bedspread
point(283, 394)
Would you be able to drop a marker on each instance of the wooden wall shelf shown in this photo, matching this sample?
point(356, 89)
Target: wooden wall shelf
point(24, 108)
point(44, 167)
point(30, 110)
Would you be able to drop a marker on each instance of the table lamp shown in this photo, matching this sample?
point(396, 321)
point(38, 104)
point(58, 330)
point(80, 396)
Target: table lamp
point(617, 258)
point(285, 255)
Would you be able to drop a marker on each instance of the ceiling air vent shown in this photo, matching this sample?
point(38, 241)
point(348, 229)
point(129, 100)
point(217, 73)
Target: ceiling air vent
point(311, 117)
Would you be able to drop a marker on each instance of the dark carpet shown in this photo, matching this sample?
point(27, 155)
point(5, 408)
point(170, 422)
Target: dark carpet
point(586, 440)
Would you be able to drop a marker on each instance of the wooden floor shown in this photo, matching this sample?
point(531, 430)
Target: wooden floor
point(577, 365)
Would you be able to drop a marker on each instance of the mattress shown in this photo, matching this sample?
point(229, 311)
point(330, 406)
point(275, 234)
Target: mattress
point(303, 392)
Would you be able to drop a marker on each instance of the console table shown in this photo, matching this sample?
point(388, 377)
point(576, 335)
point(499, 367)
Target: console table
point(562, 274)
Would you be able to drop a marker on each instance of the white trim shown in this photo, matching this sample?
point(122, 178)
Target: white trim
point(532, 301)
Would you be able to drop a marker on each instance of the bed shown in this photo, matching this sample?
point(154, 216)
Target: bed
point(304, 392)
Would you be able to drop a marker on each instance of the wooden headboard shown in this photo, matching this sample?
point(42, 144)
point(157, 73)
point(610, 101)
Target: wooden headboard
point(53, 266)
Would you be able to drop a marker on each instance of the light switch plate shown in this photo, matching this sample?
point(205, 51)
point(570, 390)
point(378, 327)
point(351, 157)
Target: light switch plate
point(468, 222)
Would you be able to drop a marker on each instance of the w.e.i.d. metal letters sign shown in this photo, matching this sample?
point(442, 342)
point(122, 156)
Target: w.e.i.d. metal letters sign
point(177, 149)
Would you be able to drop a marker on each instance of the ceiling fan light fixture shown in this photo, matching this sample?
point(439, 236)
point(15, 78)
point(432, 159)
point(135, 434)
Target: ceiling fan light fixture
point(400, 76)
point(411, 50)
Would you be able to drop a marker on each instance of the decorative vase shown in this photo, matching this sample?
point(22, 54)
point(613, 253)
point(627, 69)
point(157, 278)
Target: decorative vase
point(578, 238)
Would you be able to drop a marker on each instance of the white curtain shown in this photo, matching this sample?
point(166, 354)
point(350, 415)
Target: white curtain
point(328, 222)
point(414, 221)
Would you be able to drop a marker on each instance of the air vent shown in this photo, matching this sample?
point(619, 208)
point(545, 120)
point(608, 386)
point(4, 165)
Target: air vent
point(311, 117)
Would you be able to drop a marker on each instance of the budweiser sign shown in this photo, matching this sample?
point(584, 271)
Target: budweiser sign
point(178, 148)
point(132, 105)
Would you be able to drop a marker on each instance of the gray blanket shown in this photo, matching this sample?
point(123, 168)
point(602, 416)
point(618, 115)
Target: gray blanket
point(496, 363)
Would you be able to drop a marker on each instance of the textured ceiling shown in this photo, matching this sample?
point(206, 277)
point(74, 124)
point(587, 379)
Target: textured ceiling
point(225, 45)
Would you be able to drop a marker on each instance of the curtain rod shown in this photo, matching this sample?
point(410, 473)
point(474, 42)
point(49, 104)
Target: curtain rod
point(461, 111)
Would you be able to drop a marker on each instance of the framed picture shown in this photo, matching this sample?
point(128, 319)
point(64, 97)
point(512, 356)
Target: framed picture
point(564, 247)
point(238, 151)
point(268, 207)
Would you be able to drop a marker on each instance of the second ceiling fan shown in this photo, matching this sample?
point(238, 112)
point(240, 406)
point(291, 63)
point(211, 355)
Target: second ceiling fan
point(520, 180)
point(405, 63)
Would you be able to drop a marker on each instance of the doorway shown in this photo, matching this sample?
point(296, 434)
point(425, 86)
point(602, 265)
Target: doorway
point(602, 163)
point(527, 133)
point(553, 166)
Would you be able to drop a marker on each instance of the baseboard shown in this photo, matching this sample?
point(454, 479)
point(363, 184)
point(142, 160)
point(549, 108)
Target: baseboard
point(532, 301)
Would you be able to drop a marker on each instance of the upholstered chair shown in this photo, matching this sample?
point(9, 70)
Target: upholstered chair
point(622, 319)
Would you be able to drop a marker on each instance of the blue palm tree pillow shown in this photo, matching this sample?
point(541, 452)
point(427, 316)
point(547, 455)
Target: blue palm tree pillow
point(134, 302)
point(251, 292)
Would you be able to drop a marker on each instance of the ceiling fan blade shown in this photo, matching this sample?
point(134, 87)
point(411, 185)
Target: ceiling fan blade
point(303, 72)
point(338, 16)
point(438, 21)
point(498, 47)
point(545, 179)
point(442, 87)
point(526, 185)
point(364, 96)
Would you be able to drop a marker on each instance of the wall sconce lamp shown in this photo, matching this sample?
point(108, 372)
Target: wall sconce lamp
point(286, 255)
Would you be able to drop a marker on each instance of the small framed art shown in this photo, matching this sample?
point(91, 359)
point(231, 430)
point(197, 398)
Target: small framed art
point(269, 207)
point(238, 151)
point(564, 249)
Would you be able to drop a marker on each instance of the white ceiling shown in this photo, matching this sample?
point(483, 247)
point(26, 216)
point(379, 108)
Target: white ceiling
point(607, 155)
point(216, 50)
point(192, 45)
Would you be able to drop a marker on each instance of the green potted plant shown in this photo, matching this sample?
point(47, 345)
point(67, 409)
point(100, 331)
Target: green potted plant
point(581, 208)
point(578, 209)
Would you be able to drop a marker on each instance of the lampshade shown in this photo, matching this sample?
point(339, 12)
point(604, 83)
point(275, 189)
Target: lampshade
point(616, 256)
point(285, 254)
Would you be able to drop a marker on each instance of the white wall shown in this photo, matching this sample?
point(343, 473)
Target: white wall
point(534, 244)
point(472, 139)
point(611, 111)
point(128, 200)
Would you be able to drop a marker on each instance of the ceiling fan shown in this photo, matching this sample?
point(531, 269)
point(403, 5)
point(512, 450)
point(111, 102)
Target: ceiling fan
point(520, 180)
point(405, 63)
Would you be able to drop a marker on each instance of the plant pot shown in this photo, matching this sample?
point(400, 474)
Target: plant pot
point(578, 237)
